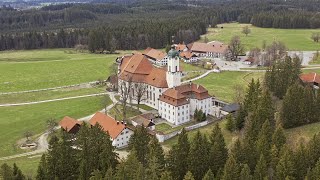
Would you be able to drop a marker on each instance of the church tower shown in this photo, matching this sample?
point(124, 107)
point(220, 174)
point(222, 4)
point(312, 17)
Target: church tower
point(173, 71)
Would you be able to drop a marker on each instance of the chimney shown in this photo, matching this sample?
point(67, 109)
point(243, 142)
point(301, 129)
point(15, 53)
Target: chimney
point(122, 122)
point(197, 86)
point(125, 124)
point(118, 122)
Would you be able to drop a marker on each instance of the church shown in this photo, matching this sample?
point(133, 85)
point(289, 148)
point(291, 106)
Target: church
point(164, 91)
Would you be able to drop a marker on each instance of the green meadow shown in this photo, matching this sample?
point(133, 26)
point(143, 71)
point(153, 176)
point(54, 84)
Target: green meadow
point(294, 39)
point(14, 121)
point(39, 69)
point(221, 85)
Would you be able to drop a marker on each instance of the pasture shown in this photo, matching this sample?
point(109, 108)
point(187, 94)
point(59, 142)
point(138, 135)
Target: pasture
point(294, 39)
point(221, 85)
point(39, 69)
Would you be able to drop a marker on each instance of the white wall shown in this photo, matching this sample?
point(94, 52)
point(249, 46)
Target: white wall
point(175, 115)
point(122, 139)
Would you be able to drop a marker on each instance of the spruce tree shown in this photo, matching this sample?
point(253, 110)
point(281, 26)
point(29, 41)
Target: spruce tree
point(139, 141)
point(166, 176)
point(285, 167)
point(53, 158)
point(299, 161)
point(109, 175)
point(218, 151)
point(6, 172)
point(245, 173)
point(208, 176)
point(178, 156)
point(42, 168)
point(188, 176)
point(17, 173)
point(155, 150)
point(315, 172)
point(240, 118)
point(278, 137)
point(154, 170)
point(261, 170)
point(231, 169)
point(199, 156)
point(264, 141)
point(230, 125)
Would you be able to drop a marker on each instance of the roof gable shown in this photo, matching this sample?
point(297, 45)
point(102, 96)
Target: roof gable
point(108, 124)
point(67, 123)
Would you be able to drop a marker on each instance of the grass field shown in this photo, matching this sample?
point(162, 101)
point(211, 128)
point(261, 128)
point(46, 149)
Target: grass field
point(221, 84)
point(190, 67)
point(295, 39)
point(37, 69)
point(28, 165)
point(45, 95)
point(14, 121)
point(116, 112)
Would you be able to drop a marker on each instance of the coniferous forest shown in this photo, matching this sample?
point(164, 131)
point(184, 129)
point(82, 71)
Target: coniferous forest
point(140, 24)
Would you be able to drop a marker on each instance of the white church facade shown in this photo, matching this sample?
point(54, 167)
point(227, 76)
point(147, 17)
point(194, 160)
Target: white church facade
point(175, 102)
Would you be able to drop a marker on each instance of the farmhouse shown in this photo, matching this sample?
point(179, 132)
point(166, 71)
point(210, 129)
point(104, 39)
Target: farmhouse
point(164, 92)
point(118, 131)
point(70, 125)
point(155, 56)
point(181, 47)
point(212, 49)
point(189, 57)
point(312, 79)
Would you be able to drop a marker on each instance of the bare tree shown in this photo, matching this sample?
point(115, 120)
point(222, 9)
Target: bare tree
point(139, 94)
point(51, 124)
point(27, 135)
point(246, 30)
point(315, 37)
point(276, 51)
point(125, 95)
point(105, 101)
point(206, 40)
point(264, 45)
point(236, 48)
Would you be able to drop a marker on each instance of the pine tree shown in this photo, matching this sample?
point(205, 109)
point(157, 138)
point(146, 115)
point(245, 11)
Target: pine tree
point(230, 126)
point(154, 169)
point(53, 158)
point(177, 161)
point(218, 151)
point(231, 169)
point(188, 176)
point(208, 176)
point(17, 173)
point(139, 141)
point(96, 175)
point(261, 170)
point(42, 168)
point(315, 172)
point(245, 173)
point(199, 156)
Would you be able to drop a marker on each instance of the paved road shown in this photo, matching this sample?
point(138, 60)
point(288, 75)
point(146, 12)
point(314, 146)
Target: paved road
point(51, 100)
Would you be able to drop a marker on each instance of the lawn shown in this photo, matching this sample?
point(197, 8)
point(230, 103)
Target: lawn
point(45, 95)
point(221, 84)
point(14, 121)
point(28, 165)
point(116, 112)
point(305, 132)
point(295, 39)
point(163, 127)
point(37, 69)
point(190, 67)
point(191, 75)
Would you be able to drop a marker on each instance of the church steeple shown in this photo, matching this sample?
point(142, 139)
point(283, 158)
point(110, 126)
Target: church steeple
point(173, 71)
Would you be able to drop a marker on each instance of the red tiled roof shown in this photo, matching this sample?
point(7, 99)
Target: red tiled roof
point(67, 123)
point(187, 54)
point(177, 96)
point(139, 69)
point(180, 47)
point(108, 124)
point(214, 47)
point(310, 78)
point(154, 54)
